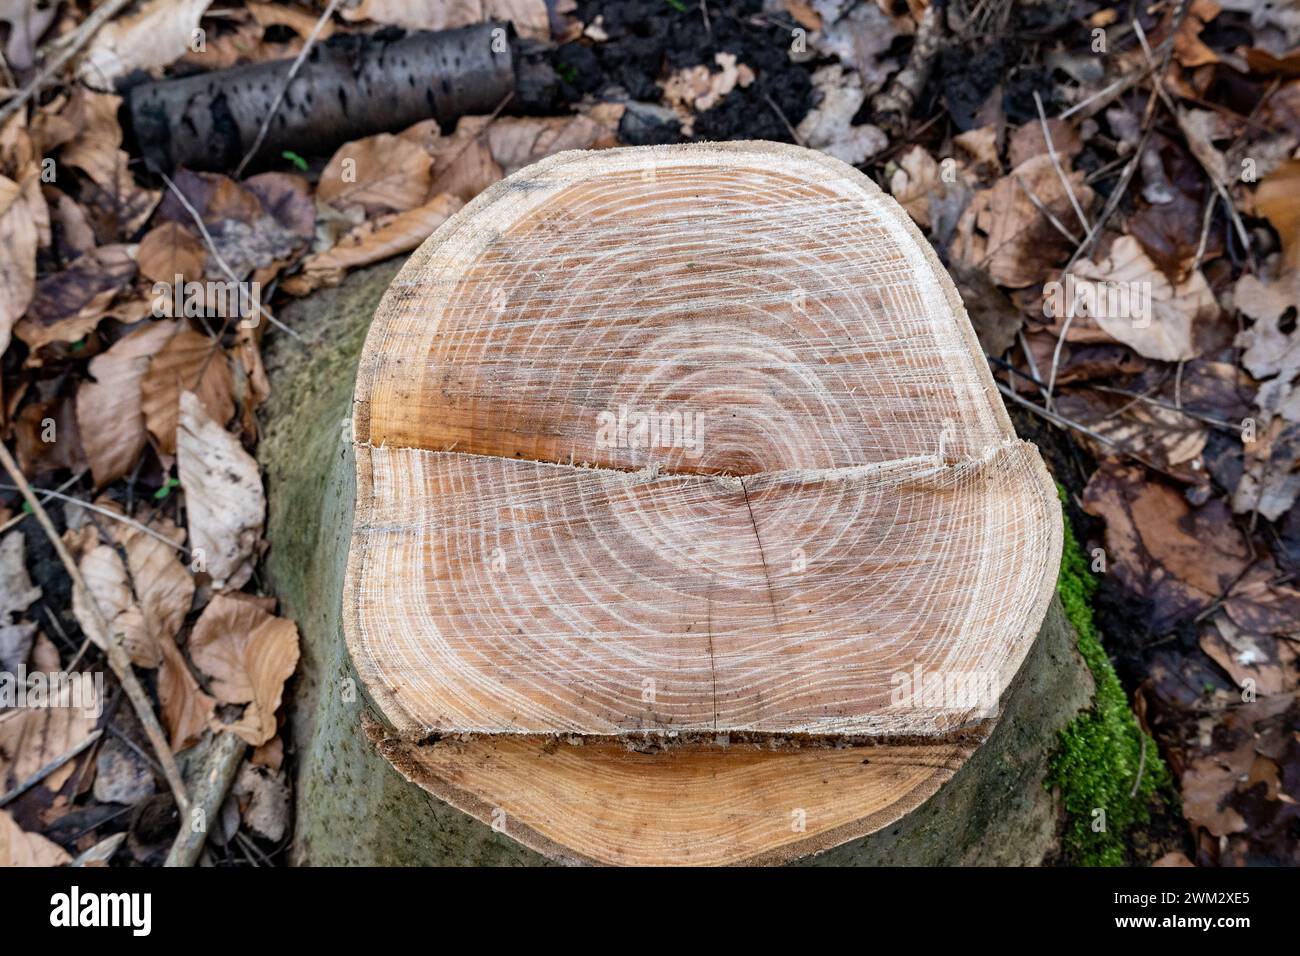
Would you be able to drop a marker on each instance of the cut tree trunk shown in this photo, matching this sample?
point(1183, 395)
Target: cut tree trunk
point(820, 626)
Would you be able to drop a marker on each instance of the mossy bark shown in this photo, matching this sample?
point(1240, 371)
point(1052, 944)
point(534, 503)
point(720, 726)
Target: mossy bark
point(354, 808)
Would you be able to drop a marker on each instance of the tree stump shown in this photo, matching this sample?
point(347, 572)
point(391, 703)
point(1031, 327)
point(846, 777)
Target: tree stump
point(676, 520)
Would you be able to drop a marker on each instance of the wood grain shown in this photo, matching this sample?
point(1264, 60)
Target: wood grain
point(705, 805)
point(839, 507)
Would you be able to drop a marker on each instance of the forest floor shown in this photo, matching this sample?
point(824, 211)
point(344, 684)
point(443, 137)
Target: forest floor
point(1054, 153)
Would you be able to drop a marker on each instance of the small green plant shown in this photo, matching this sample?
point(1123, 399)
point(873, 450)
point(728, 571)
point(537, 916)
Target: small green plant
point(1100, 764)
point(294, 158)
point(567, 73)
point(677, 5)
point(166, 489)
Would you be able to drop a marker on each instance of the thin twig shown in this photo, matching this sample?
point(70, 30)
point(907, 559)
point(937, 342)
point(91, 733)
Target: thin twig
point(1042, 207)
point(48, 769)
point(107, 513)
point(1056, 354)
point(1056, 163)
point(1142, 763)
point(1180, 117)
point(1064, 422)
point(1148, 117)
point(118, 660)
point(284, 90)
point(79, 37)
point(212, 247)
point(776, 108)
point(22, 515)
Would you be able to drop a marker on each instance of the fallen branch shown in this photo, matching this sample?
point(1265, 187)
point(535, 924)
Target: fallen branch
point(348, 87)
point(894, 104)
point(284, 88)
point(118, 660)
point(220, 765)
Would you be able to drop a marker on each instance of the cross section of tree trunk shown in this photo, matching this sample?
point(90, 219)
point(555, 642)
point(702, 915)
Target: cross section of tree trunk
point(688, 441)
point(818, 609)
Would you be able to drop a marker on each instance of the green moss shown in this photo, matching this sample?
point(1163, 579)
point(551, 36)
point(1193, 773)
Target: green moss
point(1100, 751)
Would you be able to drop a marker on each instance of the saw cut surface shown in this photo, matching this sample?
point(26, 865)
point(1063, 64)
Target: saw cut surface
point(690, 806)
point(688, 440)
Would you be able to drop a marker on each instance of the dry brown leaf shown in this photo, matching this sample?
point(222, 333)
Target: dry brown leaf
point(1270, 482)
point(1170, 235)
point(223, 495)
point(154, 36)
point(264, 799)
point(1028, 141)
point(248, 654)
point(995, 318)
point(288, 198)
point(27, 20)
point(385, 237)
point(109, 415)
point(1189, 49)
point(803, 14)
point(120, 208)
point(74, 237)
point(1277, 198)
point(269, 755)
point(216, 198)
point(188, 362)
point(698, 88)
point(171, 250)
point(519, 141)
point(462, 163)
point(186, 709)
point(1262, 604)
point(16, 594)
point(981, 145)
point(302, 22)
point(163, 586)
point(1161, 435)
point(47, 437)
point(1207, 781)
point(1179, 557)
point(528, 16)
point(18, 238)
point(1166, 328)
point(97, 136)
point(20, 848)
point(828, 126)
point(383, 173)
point(1262, 659)
point(32, 736)
point(912, 182)
point(110, 587)
point(69, 304)
point(1268, 349)
point(1022, 247)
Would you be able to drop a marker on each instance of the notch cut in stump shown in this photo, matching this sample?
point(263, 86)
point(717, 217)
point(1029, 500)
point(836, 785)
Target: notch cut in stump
point(685, 502)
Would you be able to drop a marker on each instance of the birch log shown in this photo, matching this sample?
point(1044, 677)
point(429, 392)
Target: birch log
point(676, 520)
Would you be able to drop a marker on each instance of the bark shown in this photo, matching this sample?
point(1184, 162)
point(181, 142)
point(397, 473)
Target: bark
point(353, 807)
point(348, 87)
